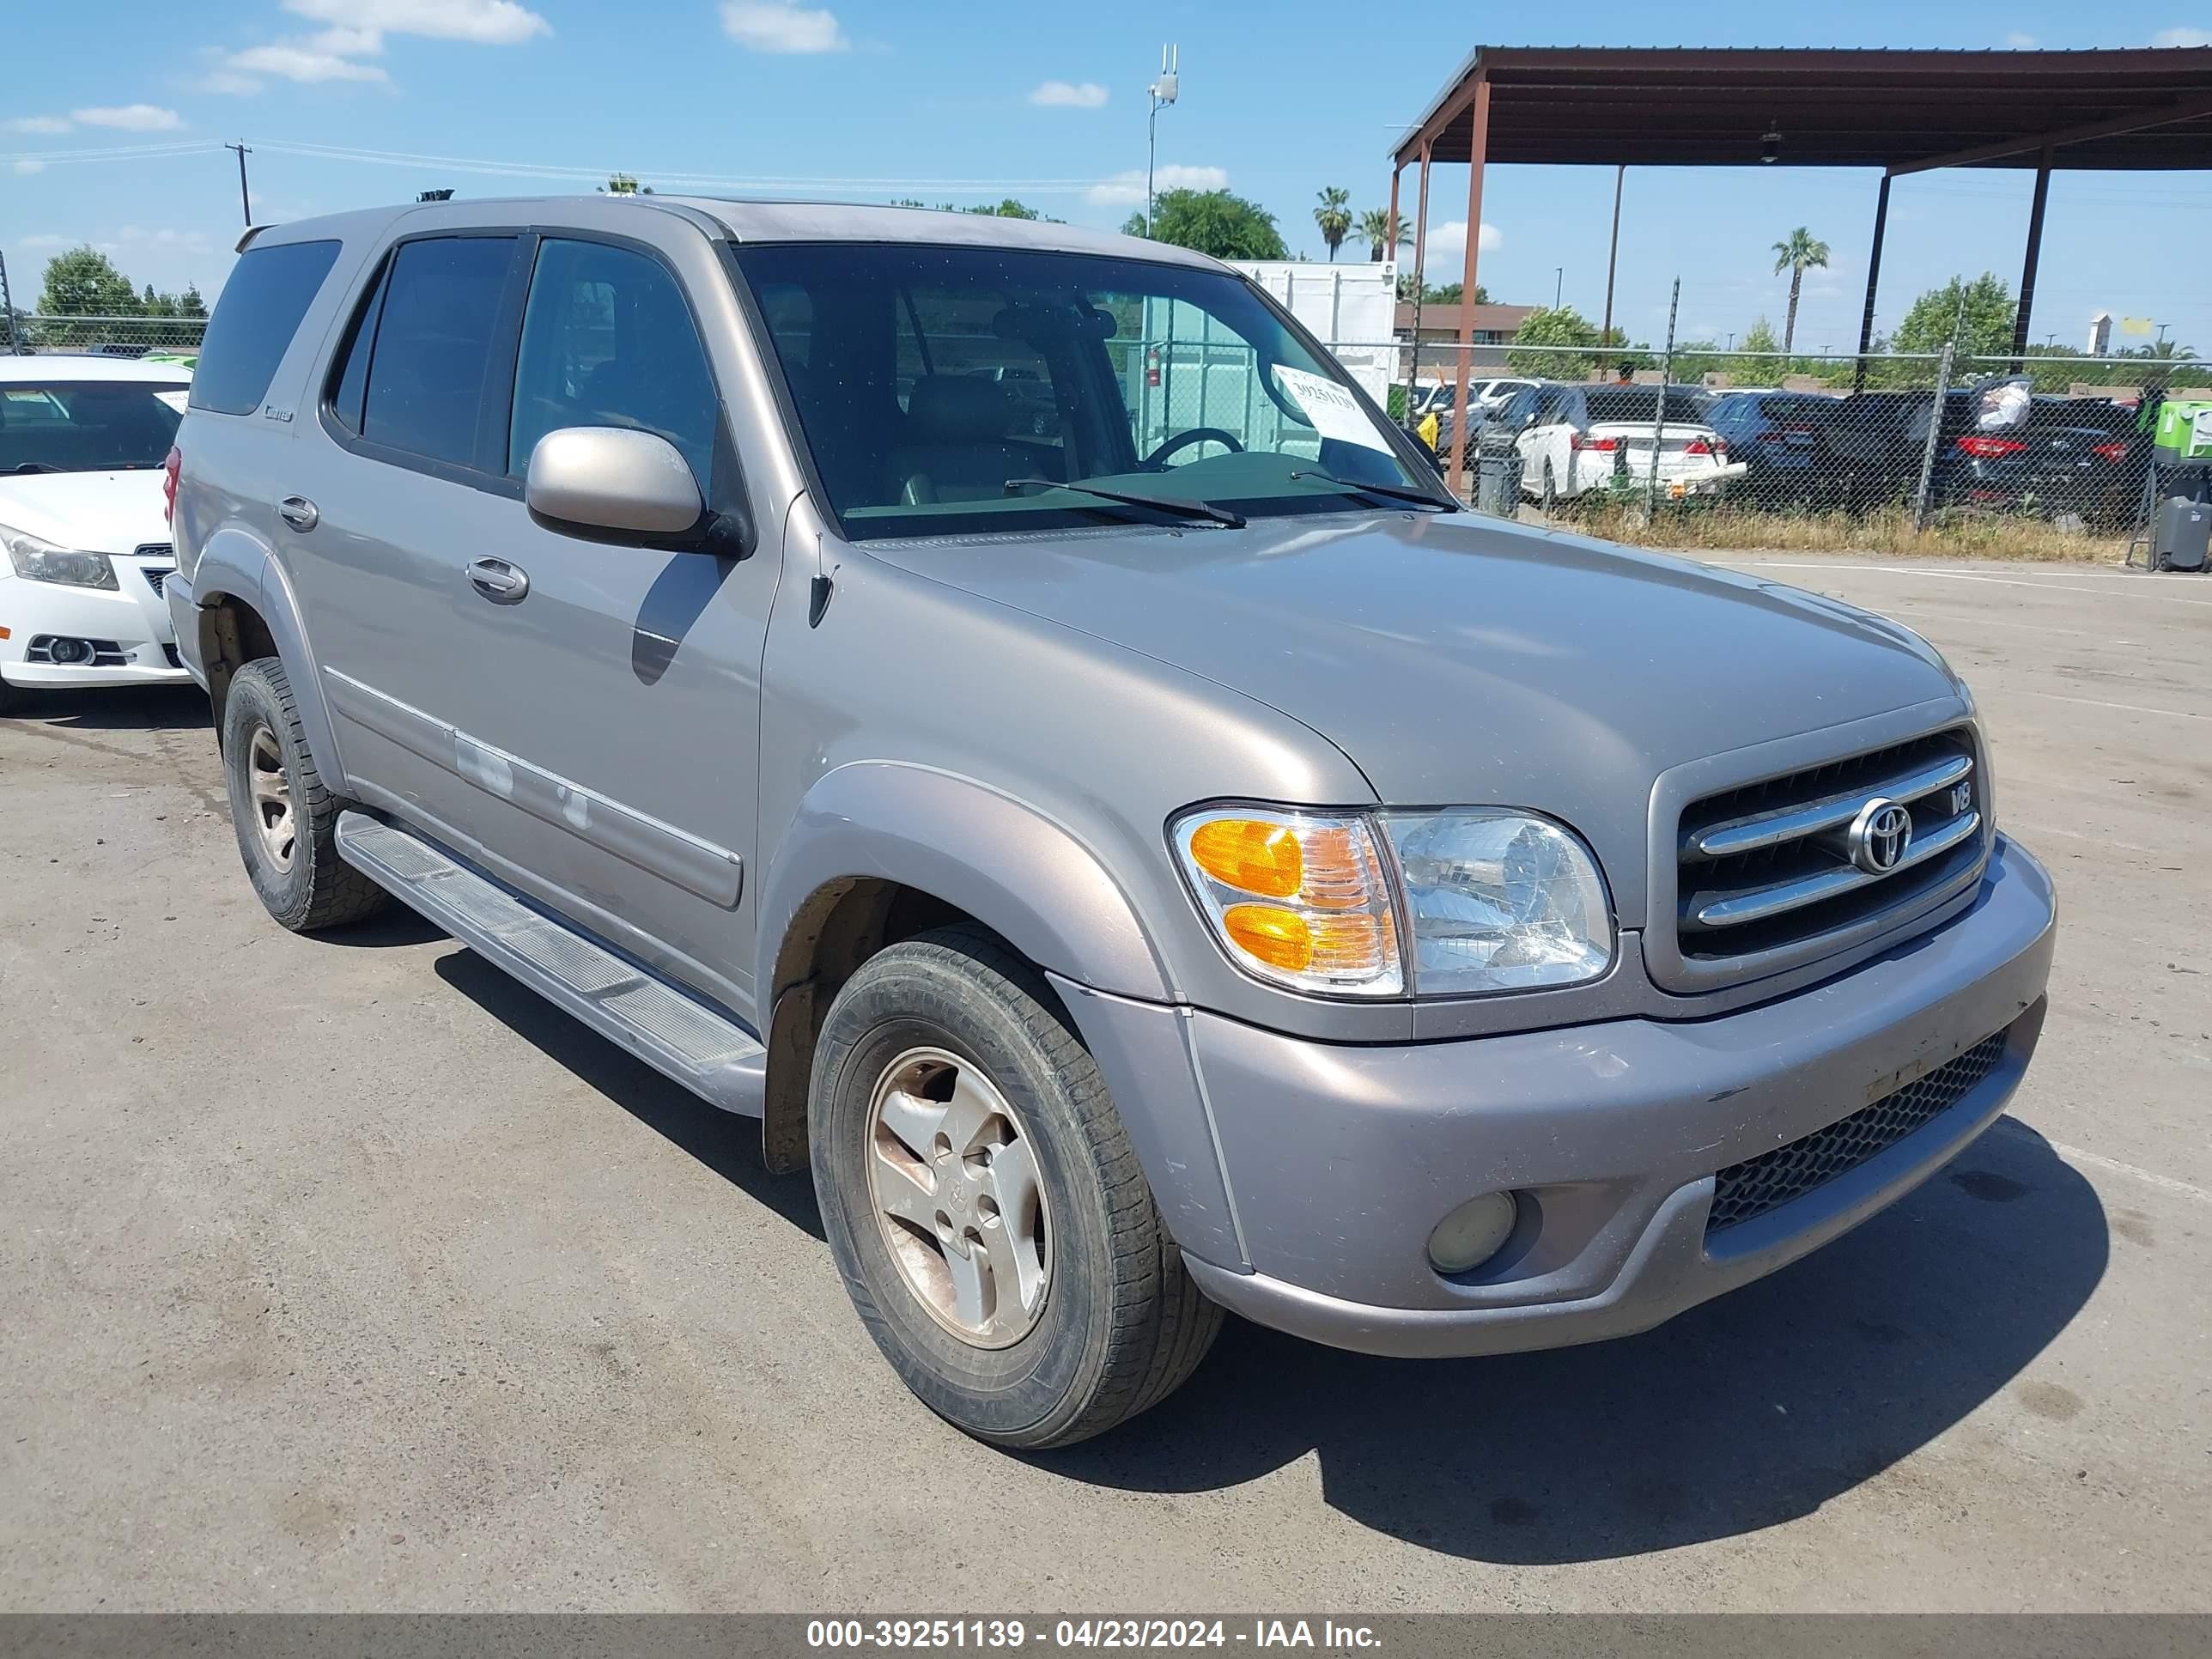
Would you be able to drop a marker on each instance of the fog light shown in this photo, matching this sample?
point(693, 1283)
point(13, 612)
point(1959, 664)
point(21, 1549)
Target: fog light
point(64, 650)
point(1473, 1233)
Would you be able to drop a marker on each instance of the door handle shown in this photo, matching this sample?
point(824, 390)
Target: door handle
point(499, 581)
point(297, 512)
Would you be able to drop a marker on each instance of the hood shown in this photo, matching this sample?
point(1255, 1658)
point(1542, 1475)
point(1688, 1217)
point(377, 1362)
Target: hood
point(1461, 660)
point(95, 512)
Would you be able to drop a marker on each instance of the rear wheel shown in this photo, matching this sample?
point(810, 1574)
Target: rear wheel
point(981, 1199)
point(1549, 498)
point(285, 820)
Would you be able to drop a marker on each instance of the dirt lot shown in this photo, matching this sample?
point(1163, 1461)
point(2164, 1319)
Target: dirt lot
point(340, 1274)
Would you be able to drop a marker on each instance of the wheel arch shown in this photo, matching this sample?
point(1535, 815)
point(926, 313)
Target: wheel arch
point(867, 861)
point(246, 610)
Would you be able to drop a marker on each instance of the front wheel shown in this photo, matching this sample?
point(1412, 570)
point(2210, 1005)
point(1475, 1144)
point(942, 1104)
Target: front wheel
point(979, 1196)
point(285, 820)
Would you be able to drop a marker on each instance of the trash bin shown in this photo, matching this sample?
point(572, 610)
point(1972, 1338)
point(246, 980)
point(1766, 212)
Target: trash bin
point(2184, 535)
point(1497, 483)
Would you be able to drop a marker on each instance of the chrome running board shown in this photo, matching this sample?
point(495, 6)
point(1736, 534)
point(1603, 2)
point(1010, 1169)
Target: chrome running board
point(704, 1051)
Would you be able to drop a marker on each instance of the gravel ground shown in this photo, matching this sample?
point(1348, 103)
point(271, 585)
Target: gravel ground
point(339, 1274)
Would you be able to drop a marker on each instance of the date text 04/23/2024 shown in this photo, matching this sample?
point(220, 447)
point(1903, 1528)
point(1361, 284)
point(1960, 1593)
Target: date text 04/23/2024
point(1320, 1636)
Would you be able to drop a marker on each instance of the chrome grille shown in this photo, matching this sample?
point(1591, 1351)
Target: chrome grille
point(1751, 1189)
point(1771, 865)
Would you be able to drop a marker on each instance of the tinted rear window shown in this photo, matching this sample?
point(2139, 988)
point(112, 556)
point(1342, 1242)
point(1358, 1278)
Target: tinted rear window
point(1641, 403)
point(435, 348)
point(254, 320)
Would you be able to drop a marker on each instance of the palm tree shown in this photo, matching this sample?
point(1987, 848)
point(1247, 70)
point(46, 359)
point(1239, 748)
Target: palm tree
point(1333, 215)
point(1382, 230)
point(1797, 255)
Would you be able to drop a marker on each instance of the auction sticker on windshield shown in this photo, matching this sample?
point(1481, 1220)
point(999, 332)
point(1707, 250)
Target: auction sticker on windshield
point(1334, 412)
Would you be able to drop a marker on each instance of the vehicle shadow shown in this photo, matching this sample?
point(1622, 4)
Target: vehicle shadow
point(1752, 1410)
point(725, 1143)
point(113, 708)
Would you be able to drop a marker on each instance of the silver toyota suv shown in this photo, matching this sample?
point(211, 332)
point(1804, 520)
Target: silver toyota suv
point(998, 704)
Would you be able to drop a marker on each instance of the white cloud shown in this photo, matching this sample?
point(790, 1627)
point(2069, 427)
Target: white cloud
point(1445, 252)
point(1127, 189)
point(42, 242)
point(1067, 94)
point(27, 167)
point(781, 25)
point(129, 118)
point(2018, 39)
point(36, 123)
point(2182, 37)
point(292, 61)
point(486, 22)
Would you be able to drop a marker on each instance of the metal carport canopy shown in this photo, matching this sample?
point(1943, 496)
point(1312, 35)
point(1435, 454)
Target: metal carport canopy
point(1904, 112)
point(2139, 109)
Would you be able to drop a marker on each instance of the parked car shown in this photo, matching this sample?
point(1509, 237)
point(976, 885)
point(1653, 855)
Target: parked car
point(1132, 893)
point(1776, 435)
point(83, 522)
point(1870, 447)
point(1579, 439)
point(2066, 460)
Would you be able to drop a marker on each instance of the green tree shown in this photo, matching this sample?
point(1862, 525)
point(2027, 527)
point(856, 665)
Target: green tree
point(1382, 230)
point(1447, 293)
point(1551, 328)
point(1759, 337)
point(1215, 222)
point(84, 282)
point(1797, 254)
point(1333, 217)
point(1985, 329)
point(189, 303)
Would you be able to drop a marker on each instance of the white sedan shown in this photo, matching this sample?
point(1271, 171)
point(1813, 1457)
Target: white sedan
point(83, 523)
point(1579, 440)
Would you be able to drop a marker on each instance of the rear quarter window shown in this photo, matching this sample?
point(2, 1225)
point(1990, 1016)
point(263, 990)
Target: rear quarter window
point(254, 321)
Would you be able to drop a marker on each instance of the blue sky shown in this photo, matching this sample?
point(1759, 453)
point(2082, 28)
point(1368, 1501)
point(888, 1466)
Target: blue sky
point(1047, 102)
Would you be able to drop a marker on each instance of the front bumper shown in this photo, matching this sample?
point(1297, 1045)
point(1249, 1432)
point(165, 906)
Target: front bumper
point(133, 618)
point(1339, 1160)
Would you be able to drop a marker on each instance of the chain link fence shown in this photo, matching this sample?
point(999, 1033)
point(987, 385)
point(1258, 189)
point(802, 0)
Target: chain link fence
point(1730, 449)
point(137, 336)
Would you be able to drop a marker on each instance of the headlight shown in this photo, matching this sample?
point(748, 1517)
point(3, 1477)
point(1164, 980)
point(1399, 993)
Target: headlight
point(41, 562)
point(1499, 900)
point(1493, 900)
point(1299, 898)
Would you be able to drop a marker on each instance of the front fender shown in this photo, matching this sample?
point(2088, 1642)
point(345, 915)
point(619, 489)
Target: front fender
point(1027, 879)
point(236, 565)
point(1030, 880)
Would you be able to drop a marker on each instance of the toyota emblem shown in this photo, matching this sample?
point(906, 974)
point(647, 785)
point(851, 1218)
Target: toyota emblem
point(1879, 836)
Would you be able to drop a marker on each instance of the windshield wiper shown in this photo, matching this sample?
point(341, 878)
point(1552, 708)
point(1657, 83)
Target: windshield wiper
point(1220, 515)
point(34, 466)
point(1394, 492)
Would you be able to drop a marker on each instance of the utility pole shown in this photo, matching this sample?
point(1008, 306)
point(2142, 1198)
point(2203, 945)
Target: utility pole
point(1162, 93)
point(1559, 283)
point(1613, 259)
point(245, 202)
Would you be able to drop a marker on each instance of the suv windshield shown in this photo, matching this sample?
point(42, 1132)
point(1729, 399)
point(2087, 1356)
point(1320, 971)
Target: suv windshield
point(926, 379)
point(87, 426)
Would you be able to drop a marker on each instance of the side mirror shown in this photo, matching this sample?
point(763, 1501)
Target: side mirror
point(612, 479)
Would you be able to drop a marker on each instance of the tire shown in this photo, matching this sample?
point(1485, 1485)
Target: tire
point(1116, 1324)
point(265, 760)
point(8, 697)
point(1548, 500)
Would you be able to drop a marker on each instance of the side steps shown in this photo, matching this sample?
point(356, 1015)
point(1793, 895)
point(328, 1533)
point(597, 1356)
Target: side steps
point(705, 1051)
